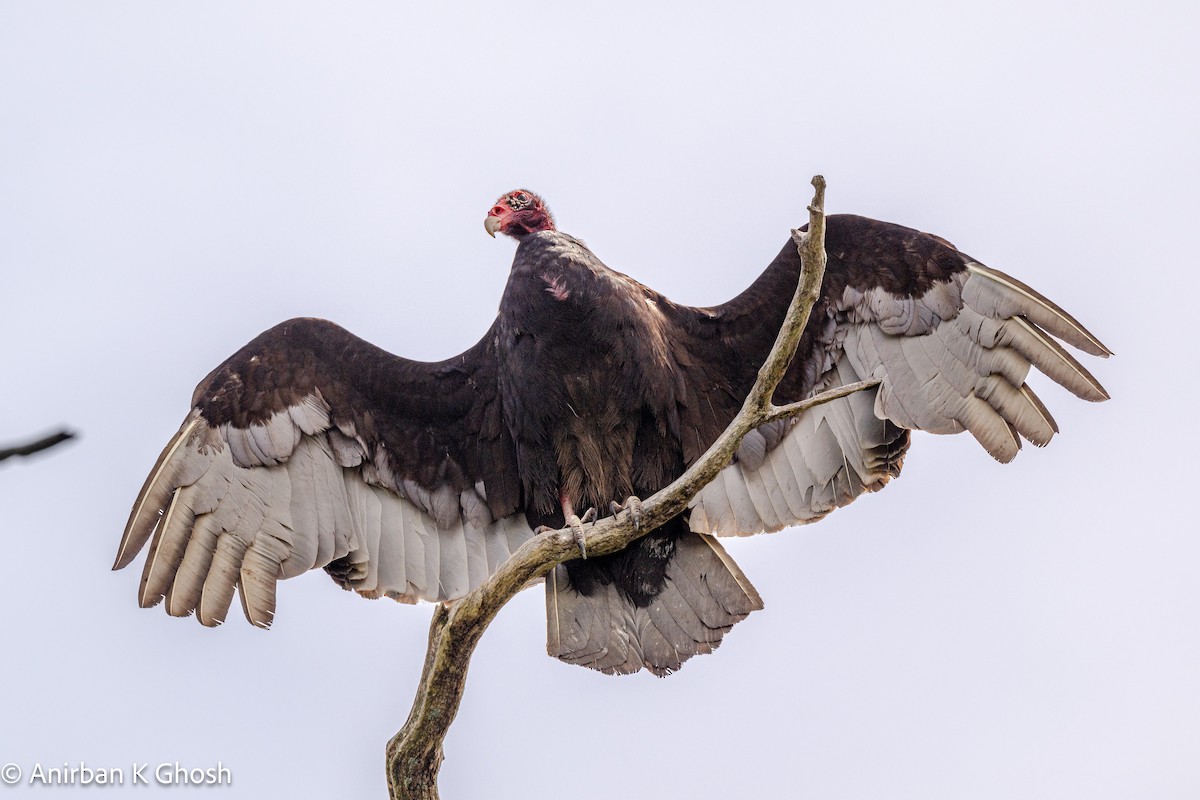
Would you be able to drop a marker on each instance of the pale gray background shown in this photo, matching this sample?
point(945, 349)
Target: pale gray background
point(176, 177)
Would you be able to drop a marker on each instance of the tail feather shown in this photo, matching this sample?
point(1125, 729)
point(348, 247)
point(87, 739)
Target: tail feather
point(704, 595)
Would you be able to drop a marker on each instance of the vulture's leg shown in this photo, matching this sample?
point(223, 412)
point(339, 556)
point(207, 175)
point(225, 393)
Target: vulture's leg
point(631, 504)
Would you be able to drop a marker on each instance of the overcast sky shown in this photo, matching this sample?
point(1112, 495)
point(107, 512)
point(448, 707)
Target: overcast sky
point(177, 177)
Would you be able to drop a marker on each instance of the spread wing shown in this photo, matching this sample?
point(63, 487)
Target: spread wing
point(312, 448)
point(951, 340)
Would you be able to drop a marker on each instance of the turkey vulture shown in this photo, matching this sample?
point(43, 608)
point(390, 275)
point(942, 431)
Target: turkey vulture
point(311, 448)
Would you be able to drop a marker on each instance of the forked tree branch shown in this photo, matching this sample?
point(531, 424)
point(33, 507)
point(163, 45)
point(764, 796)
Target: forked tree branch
point(415, 753)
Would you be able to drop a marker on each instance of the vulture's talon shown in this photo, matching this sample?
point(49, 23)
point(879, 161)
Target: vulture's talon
point(589, 515)
point(576, 525)
point(633, 505)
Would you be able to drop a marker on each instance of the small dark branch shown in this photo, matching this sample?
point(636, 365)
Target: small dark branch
point(415, 753)
point(45, 443)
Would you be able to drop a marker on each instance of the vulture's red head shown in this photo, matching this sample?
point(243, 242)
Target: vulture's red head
point(518, 213)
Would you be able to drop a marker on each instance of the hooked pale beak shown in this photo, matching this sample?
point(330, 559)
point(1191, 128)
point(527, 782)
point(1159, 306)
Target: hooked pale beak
point(491, 224)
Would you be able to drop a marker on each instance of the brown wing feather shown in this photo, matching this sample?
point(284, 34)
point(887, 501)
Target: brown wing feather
point(440, 422)
point(950, 339)
point(312, 448)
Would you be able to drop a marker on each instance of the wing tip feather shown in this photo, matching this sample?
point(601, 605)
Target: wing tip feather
point(1085, 340)
point(141, 524)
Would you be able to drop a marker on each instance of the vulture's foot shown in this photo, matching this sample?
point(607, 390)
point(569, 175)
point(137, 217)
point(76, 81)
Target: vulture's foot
point(634, 506)
point(576, 525)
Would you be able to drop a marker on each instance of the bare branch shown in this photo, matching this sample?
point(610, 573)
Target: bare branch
point(415, 753)
point(799, 407)
point(45, 443)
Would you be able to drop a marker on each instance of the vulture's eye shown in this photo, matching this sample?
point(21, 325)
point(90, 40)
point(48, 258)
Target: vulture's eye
point(522, 198)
